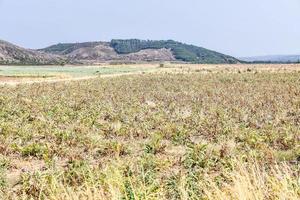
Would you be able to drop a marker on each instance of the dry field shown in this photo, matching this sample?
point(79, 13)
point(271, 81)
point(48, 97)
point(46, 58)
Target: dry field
point(176, 132)
point(15, 75)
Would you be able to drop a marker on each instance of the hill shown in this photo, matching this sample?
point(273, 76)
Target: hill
point(66, 48)
point(181, 51)
point(138, 50)
point(12, 54)
point(273, 59)
point(127, 51)
point(93, 52)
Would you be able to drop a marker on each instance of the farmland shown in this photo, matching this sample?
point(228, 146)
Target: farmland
point(159, 132)
point(75, 71)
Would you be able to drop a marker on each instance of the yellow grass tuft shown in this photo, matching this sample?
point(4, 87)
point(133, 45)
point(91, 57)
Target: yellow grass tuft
point(255, 182)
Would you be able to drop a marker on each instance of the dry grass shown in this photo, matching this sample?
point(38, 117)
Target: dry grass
point(153, 136)
point(255, 182)
point(246, 182)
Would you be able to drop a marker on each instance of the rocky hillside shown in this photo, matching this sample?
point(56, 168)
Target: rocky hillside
point(138, 50)
point(12, 54)
point(103, 51)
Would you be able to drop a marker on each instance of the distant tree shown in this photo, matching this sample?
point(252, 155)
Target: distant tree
point(63, 63)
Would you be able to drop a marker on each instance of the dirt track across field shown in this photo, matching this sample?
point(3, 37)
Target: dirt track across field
point(14, 81)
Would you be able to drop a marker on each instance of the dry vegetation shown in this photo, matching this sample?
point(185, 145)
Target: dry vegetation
point(164, 136)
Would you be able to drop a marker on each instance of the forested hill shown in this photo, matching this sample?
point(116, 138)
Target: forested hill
point(181, 51)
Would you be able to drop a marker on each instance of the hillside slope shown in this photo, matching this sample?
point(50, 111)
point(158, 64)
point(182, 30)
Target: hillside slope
point(138, 50)
point(181, 51)
point(93, 52)
point(12, 54)
point(117, 50)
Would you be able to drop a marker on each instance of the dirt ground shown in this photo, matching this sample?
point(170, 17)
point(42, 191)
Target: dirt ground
point(13, 81)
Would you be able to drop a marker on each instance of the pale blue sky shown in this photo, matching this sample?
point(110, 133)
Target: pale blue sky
point(235, 27)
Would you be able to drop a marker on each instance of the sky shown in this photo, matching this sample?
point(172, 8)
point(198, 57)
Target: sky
point(235, 27)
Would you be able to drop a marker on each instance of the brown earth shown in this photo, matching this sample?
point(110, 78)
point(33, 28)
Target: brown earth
point(103, 52)
point(12, 54)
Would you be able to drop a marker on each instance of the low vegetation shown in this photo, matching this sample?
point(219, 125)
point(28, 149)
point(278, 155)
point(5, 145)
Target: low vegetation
point(163, 136)
point(66, 48)
point(68, 71)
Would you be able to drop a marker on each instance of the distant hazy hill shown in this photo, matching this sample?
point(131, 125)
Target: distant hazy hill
point(138, 50)
point(273, 58)
point(12, 54)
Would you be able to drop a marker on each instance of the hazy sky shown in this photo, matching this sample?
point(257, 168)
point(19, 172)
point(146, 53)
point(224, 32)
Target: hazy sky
point(235, 27)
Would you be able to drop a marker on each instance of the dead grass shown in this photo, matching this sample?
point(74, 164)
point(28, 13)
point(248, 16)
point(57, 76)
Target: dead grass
point(186, 135)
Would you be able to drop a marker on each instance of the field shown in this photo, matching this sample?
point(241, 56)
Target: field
point(159, 132)
point(14, 75)
point(20, 74)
